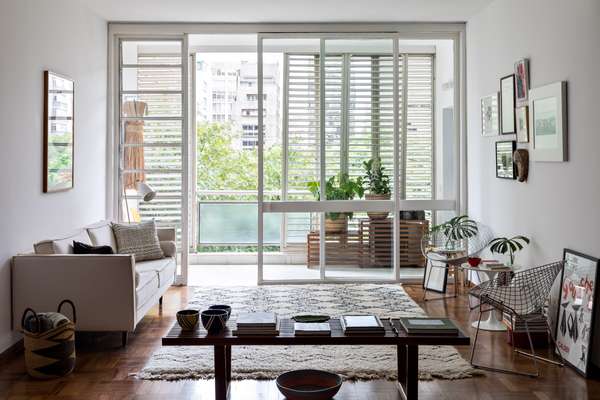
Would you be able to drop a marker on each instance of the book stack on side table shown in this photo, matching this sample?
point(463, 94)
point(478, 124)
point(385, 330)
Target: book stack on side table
point(257, 324)
point(361, 325)
point(429, 326)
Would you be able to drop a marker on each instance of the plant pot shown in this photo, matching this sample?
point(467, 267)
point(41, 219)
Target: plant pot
point(377, 214)
point(338, 225)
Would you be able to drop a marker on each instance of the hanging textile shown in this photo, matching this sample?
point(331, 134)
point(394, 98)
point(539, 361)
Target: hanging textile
point(133, 156)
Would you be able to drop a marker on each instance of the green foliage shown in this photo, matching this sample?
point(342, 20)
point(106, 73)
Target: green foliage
point(222, 166)
point(504, 245)
point(457, 228)
point(376, 180)
point(340, 187)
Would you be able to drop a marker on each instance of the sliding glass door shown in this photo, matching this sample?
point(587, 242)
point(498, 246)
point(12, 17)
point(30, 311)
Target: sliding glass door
point(358, 119)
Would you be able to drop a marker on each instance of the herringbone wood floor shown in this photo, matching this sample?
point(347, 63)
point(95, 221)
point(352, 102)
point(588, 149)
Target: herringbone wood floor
point(106, 371)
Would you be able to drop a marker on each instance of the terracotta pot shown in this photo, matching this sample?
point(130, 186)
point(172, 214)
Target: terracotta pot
point(339, 225)
point(375, 214)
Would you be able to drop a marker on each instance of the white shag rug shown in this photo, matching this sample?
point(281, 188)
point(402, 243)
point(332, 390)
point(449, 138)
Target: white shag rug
point(267, 362)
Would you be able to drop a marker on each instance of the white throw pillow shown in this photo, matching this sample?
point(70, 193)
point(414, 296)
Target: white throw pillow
point(102, 234)
point(140, 240)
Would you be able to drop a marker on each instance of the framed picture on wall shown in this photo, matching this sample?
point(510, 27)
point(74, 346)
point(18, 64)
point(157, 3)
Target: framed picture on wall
point(505, 164)
point(507, 105)
point(489, 115)
point(548, 122)
point(522, 115)
point(576, 311)
point(521, 82)
point(59, 92)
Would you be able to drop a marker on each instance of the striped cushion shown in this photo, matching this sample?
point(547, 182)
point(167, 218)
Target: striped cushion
point(140, 240)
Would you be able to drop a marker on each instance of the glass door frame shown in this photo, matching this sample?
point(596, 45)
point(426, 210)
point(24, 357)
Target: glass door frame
point(394, 205)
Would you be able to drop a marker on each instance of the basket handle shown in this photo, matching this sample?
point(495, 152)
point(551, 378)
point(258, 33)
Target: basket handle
point(37, 319)
point(72, 308)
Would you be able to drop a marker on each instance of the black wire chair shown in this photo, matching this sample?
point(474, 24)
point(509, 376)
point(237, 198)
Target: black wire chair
point(522, 296)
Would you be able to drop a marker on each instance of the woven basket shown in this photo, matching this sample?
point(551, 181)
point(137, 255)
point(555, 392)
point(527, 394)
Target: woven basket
point(50, 354)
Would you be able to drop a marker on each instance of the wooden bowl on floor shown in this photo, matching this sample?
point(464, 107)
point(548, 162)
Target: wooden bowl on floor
point(308, 384)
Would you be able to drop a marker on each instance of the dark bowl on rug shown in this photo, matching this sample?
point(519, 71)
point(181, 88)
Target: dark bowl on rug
point(222, 307)
point(308, 384)
point(214, 320)
point(188, 319)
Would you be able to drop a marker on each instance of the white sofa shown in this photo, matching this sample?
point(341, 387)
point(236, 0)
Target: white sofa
point(110, 292)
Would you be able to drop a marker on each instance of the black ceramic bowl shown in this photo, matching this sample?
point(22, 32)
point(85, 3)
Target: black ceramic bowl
point(308, 384)
point(222, 307)
point(187, 319)
point(214, 320)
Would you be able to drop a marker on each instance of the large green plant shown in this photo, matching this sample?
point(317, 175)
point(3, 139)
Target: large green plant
point(340, 187)
point(375, 179)
point(457, 228)
point(504, 245)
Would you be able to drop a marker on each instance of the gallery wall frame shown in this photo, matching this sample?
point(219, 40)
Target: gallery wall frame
point(522, 117)
point(548, 122)
point(521, 82)
point(490, 125)
point(58, 132)
point(505, 165)
point(576, 319)
point(507, 105)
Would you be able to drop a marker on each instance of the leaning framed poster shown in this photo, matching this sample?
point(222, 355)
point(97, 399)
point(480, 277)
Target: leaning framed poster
point(435, 277)
point(575, 323)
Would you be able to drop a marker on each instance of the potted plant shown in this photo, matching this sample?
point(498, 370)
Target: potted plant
point(340, 187)
point(457, 229)
point(377, 182)
point(504, 245)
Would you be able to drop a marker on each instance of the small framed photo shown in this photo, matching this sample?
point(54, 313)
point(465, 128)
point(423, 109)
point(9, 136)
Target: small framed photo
point(548, 122)
point(505, 165)
point(576, 321)
point(435, 278)
point(521, 82)
point(507, 105)
point(489, 115)
point(522, 115)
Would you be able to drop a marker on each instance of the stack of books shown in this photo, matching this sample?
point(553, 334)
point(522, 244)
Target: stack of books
point(429, 326)
point(361, 325)
point(257, 324)
point(538, 330)
point(312, 329)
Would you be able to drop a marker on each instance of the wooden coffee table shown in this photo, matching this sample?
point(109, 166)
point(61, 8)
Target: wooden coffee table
point(407, 348)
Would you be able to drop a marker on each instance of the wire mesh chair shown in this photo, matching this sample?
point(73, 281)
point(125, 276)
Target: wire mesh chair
point(522, 296)
point(442, 252)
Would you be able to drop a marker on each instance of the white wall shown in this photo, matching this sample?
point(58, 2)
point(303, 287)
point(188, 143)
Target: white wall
point(65, 37)
point(559, 206)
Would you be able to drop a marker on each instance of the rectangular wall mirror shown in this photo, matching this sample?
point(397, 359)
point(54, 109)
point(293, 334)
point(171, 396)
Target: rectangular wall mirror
point(59, 92)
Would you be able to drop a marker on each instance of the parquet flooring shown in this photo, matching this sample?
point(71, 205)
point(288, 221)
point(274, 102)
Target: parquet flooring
point(106, 371)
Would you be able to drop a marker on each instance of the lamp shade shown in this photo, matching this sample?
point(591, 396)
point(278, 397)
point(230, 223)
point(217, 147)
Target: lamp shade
point(145, 191)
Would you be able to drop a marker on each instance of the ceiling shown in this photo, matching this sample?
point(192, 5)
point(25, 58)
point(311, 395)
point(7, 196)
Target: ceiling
point(287, 10)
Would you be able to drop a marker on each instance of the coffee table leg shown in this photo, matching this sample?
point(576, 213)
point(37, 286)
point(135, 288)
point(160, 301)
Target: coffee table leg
point(228, 363)
point(408, 372)
point(221, 382)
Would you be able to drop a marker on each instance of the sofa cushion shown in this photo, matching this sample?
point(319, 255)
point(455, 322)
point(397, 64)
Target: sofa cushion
point(102, 234)
point(140, 240)
point(163, 268)
point(145, 292)
point(82, 248)
point(65, 245)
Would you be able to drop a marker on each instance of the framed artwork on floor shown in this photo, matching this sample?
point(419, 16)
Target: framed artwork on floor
point(548, 122)
point(489, 115)
point(507, 105)
point(59, 92)
point(505, 163)
point(522, 115)
point(435, 278)
point(521, 82)
point(576, 310)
